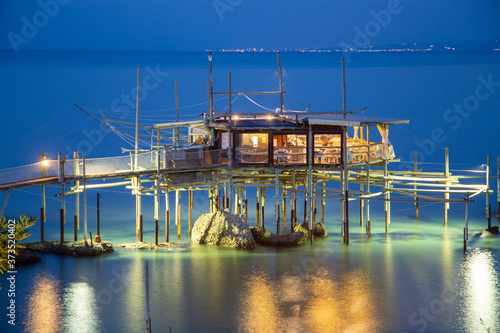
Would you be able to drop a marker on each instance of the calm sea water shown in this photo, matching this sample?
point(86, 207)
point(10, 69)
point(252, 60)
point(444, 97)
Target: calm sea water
point(416, 279)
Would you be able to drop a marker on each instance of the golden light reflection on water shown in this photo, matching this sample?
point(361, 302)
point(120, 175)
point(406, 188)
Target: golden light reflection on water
point(44, 307)
point(319, 302)
point(481, 293)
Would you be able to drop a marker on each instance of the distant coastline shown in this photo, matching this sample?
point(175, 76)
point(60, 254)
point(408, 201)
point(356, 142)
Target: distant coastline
point(486, 45)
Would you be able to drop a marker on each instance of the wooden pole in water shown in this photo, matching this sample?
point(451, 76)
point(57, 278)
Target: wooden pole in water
point(146, 292)
point(167, 215)
point(76, 171)
point(42, 222)
point(246, 203)
point(447, 174)
point(276, 201)
point(84, 202)
point(262, 206)
point(498, 186)
point(361, 206)
point(293, 204)
point(138, 203)
point(190, 215)
point(230, 147)
point(257, 208)
point(211, 197)
point(466, 229)
point(141, 225)
point(347, 217)
point(487, 185)
point(367, 202)
point(98, 215)
point(224, 198)
point(157, 231)
point(283, 208)
point(157, 183)
point(415, 186)
point(489, 217)
point(61, 163)
point(345, 186)
point(323, 201)
point(386, 196)
point(75, 228)
point(178, 212)
point(305, 209)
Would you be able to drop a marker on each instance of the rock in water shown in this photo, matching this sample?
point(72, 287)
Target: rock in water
point(26, 257)
point(318, 229)
point(493, 230)
point(293, 239)
point(224, 229)
point(259, 232)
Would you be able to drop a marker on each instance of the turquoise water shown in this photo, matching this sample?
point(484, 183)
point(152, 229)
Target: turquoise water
point(416, 279)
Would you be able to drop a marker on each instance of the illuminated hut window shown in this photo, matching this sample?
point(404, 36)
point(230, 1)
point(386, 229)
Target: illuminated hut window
point(327, 148)
point(252, 148)
point(289, 149)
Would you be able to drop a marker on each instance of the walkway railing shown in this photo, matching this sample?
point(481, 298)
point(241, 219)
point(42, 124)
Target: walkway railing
point(142, 161)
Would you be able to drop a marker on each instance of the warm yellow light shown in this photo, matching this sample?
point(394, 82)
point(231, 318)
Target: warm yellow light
point(45, 162)
point(269, 117)
point(236, 117)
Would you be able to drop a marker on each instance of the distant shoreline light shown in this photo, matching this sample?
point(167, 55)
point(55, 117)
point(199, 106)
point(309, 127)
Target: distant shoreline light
point(445, 49)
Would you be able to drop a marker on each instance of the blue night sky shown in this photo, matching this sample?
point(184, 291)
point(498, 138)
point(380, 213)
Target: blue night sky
point(190, 25)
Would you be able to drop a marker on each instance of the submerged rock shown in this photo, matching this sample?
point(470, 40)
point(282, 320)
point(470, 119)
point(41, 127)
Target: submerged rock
point(293, 239)
point(26, 257)
point(259, 232)
point(318, 229)
point(78, 248)
point(493, 230)
point(224, 229)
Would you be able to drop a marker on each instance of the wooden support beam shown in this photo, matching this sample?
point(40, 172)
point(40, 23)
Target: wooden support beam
point(283, 208)
point(136, 183)
point(293, 203)
point(157, 231)
point(257, 208)
point(415, 186)
point(367, 202)
point(361, 206)
point(98, 214)
point(76, 171)
point(167, 214)
point(61, 224)
point(262, 206)
point(487, 185)
point(75, 221)
point(178, 212)
point(323, 201)
point(141, 228)
point(498, 186)
point(190, 215)
point(276, 201)
point(447, 174)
